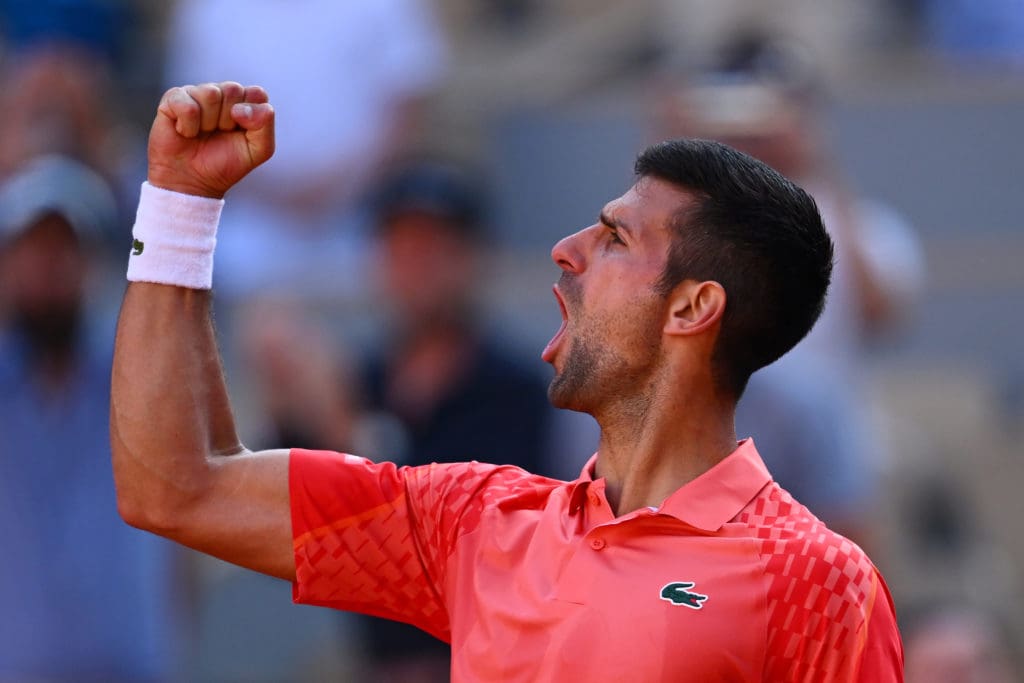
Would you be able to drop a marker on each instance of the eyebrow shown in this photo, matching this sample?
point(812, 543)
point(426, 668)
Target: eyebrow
point(617, 223)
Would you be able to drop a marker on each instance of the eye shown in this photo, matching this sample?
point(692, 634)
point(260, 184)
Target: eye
point(613, 235)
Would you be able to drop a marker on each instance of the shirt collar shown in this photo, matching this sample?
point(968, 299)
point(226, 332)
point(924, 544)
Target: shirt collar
point(710, 500)
point(578, 488)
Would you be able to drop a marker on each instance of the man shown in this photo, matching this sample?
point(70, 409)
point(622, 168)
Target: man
point(82, 596)
point(673, 557)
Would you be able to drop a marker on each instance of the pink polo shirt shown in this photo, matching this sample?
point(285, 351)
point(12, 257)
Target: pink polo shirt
point(532, 579)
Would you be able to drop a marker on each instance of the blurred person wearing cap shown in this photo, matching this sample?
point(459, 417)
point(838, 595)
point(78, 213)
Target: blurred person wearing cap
point(82, 597)
point(441, 388)
point(762, 96)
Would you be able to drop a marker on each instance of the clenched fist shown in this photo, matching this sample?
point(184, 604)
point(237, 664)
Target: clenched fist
point(205, 138)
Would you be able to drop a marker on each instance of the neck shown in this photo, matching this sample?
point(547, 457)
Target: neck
point(650, 449)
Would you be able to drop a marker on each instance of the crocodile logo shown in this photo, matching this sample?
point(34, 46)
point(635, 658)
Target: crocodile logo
point(679, 593)
point(137, 247)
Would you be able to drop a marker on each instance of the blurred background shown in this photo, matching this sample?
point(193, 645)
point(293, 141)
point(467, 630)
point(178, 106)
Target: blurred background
point(383, 287)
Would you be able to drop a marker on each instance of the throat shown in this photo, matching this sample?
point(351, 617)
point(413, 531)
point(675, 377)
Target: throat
point(646, 461)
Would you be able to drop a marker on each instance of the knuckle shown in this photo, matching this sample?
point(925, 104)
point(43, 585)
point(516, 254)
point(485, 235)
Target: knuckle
point(256, 93)
point(174, 97)
point(207, 93)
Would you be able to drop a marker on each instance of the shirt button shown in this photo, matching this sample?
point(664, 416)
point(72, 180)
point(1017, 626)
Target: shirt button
point(597, 543)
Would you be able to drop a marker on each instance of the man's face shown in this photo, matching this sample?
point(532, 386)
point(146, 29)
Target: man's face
point(42, 280)
point(44, 267)
point(427, 267)
point(609, 344)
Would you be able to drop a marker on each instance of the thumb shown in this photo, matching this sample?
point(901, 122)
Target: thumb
point(257, 120)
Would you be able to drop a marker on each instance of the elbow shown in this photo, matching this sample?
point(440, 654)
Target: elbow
point(156, 494)
point(161, 514)
point(132, 511)
point(154, 503)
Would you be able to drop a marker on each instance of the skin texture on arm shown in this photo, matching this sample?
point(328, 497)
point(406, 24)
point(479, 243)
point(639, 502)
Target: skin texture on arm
point(179, 466)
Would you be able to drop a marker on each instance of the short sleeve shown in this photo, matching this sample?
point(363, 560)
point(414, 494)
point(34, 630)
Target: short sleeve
point(882, 656)
point(375, 538)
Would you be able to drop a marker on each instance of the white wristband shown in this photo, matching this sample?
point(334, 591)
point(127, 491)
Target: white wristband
point(174, 237)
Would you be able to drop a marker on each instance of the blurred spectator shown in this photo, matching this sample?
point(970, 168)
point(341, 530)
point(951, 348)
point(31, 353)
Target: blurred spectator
point(451, 384)
point(954, 643)
point(835, 32)
point(84, 597)
point(58, 68)
point(442, 388)
point(807, 411)
point(347, 79)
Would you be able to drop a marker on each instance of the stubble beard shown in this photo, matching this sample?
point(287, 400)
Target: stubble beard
point(569, 388)
point(595, 376)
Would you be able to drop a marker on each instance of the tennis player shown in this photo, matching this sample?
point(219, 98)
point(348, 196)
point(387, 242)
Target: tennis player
point(673, 557)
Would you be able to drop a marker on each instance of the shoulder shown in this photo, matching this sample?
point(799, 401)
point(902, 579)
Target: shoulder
point(471, 476)
point(786, 528)
point(454, 488)
point(469, 496)
point(802, 556)
point(495, 482)
point(482, 484)
point(823, 592)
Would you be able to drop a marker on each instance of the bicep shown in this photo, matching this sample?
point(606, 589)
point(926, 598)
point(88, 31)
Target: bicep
point(245, 516)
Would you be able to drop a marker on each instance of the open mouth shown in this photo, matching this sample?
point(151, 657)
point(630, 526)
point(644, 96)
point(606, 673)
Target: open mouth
point(548, 355)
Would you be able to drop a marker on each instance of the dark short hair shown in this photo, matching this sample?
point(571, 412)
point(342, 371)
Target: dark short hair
point(755, 233)
point(444, 188)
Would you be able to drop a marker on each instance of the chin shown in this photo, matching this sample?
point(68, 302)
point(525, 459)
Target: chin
point(564, 397)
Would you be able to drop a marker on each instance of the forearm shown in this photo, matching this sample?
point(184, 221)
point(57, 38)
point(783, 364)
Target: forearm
point(169, 405)
point(170, 420)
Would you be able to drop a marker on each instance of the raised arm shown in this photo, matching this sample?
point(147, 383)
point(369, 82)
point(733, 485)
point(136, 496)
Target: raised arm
point(180, 469)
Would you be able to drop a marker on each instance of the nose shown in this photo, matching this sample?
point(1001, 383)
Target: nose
point(567, 253)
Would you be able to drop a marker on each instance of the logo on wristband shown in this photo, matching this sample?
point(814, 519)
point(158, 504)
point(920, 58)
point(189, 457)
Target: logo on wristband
point(137, 247)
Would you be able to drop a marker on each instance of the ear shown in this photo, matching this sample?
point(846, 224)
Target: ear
point(695, 307)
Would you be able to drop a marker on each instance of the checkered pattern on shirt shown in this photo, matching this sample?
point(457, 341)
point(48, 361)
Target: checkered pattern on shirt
point(375, 538)
point(821, 591)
